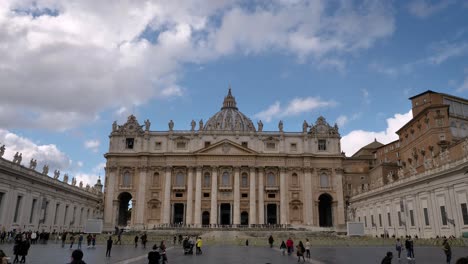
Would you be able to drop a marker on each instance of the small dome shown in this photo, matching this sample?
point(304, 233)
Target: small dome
point(229, 118)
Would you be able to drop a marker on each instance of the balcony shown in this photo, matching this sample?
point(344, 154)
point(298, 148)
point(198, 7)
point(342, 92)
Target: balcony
point(271, 188)
point(225, 188)
point(178, 188)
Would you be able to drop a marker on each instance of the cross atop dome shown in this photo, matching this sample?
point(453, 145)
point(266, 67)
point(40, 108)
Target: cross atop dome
point(229, 101)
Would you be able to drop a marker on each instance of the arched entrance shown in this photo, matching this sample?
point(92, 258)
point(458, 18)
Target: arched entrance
point(205, 218)
point(325, 210)
point(178, 213)
point(225, 214)
point(272, 214)
point(125, 213)
point(244, 218)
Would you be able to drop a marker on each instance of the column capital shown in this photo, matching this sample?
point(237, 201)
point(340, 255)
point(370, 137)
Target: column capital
point(339, 170)
point(168, 168)
point(283, 169)
point(252, 169)
point(260, 168)
point(236, 169)
point(214, 168)
point(308, 169)
point(199, 168)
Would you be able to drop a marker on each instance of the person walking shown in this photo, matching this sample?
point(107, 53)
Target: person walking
point(162, 250)
point(93, 240)
point(80, 240)
point(175, 240)
point(144, 239)
point(307, 248)
point(300, 251)
point(17, 249)
point(109, 247)
point(154, 256)
point(289, 245)
point(447, 250)
point(398, 247)
point(271, 241)
point(64, 239)
point(387, 259)
point(3, 257)
point(119, 239)
point(409, 245)
point(199, 246)
point(24, 249)
point(72, 240)
point(77, 257)
point(283, 248)
point(136, 241)
point(89, 237)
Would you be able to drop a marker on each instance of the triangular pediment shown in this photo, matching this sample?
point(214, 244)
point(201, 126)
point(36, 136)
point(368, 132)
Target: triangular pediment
point(225, 147)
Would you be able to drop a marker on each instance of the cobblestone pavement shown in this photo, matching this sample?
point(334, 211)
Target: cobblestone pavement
point(125, 254)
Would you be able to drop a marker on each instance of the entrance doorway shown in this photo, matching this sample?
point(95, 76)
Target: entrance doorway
point(225, 210)
point(178, 213)
point(325, 210)
point(125, 213)
point(205, 218)
point(272, 214)
point(244, 218)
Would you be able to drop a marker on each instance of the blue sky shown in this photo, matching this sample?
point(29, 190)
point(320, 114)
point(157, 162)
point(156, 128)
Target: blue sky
point(69, 69)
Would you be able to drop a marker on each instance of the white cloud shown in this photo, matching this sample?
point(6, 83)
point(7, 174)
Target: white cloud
point(342, 120)
point(464, 85)
point(357, 139)
point(294, 107)
point(71, 60)
point(425, 8)
point(44, 154)
point(92, 144)
point(445, 50)
point(80, 164)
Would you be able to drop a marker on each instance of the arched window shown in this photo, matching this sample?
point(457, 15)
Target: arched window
point(225, 179)
point(206, 180)
point(127, 179)
point(295, 180)
point(244, 181)
point(324, 181)
point(179, 179)
point(271, 179)
point(156, 179)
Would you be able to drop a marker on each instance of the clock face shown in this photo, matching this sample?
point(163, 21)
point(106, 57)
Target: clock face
point(321, 129)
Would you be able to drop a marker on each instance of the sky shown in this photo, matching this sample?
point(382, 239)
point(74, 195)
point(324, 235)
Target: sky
point(68, 69)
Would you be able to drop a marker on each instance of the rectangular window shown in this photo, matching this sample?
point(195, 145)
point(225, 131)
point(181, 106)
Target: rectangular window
point(1, 199)
point(244, 182)
point(129, 142)
point(207, 144)
point(206, 195)
point(293, 147)
point(245, 195)
point(179, 195)
point(271, 195)
point(33, 206)
point(372, 220)
point(56, 213)
point(380, 220)
point(65, 215)
point(17, 209)
point(270, 145)
point(389, 219)
point(365, 221)
point(157, 145)
point(426, 216)
point(411, 217)
point(359, 219)
point(245, 144)
point(400, 223)
point(443, 214)
point(322, 144)
point(464, 213)
point(81, 216)
point(181, 145)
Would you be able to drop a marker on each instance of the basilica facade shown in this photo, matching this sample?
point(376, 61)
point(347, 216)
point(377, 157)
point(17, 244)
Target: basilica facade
point(226, 171)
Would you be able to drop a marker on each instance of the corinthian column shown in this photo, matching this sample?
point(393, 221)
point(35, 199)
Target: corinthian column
point(188, 218)
point(261, 201)
point(141, 198)
point(236, 197)
point(197, 220)
point(167, 196)
point(308, 203)
point(252, 205)
point(283, 197)
point(214, 196)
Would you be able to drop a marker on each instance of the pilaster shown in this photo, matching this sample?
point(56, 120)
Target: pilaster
point(236, 197)
point(283, 197)
point(167, 196)
point(252, 204)
point(197, 220)
point(189, 213)
point(214, 196)
point(261, 200)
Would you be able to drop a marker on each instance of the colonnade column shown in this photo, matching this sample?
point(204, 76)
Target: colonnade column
point(283, 197)
point(167, 196)
point(308, 203)
point(339, 192)
point(141, 198)
point(197, 220)
point(214, 196)
point(188, 217)
point(236, 197)
point(253, 211)
point(261, 201)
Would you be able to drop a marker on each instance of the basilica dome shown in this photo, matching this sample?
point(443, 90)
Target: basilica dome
point(229, 118)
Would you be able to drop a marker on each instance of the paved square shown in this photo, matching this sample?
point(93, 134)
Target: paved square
point(225, 254)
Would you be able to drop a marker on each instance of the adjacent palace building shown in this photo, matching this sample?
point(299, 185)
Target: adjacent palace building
point(418, 184)
point(225, 172)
